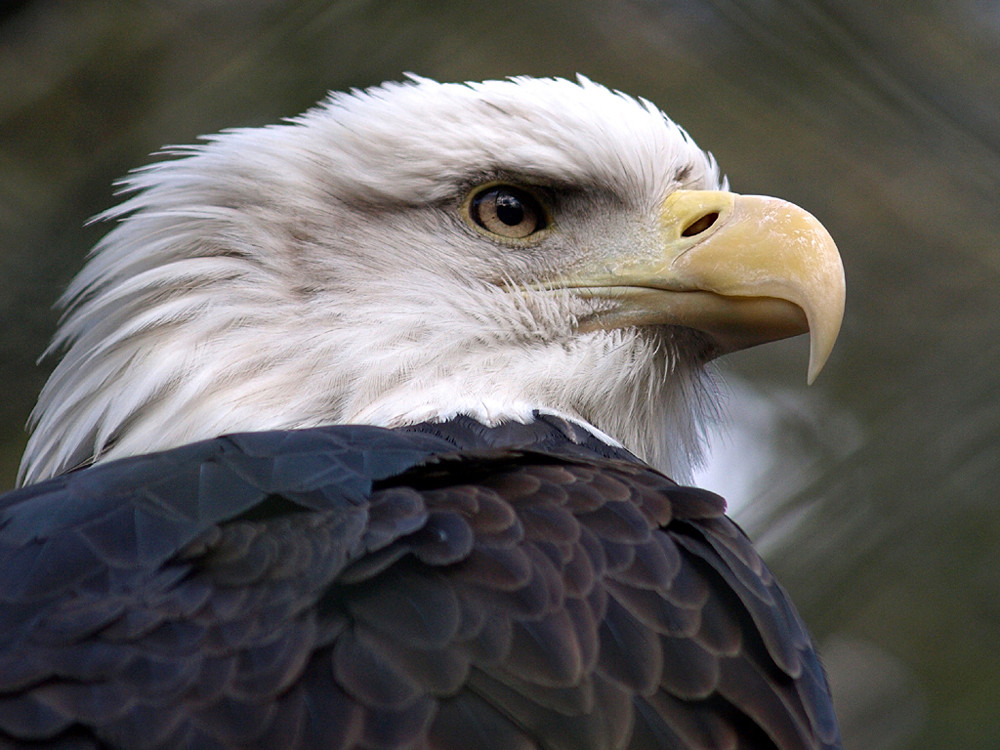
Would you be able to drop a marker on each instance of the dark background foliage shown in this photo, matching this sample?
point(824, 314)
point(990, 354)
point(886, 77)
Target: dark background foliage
point(874, 493)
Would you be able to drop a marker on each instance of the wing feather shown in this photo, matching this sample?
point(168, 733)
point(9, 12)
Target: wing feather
point(356, 587)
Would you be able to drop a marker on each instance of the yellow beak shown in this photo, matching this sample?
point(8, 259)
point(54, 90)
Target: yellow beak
point(742, 269)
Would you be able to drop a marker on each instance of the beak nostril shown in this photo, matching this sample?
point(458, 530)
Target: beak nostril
point(700, 225)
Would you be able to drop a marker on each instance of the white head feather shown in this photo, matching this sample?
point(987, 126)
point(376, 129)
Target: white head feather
point(319, 272)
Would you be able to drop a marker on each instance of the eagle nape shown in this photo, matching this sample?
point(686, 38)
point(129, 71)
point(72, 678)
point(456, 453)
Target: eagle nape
point(361, 438)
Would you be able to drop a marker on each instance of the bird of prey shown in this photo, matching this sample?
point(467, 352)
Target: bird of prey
point(361, 437)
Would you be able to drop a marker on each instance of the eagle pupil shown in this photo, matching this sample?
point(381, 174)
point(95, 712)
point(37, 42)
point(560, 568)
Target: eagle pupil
point(509, 209)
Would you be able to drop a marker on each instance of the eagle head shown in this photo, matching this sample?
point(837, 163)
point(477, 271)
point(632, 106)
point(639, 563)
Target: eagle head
point(419, 250)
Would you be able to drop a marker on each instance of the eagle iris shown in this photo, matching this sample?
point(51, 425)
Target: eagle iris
point(507, 211)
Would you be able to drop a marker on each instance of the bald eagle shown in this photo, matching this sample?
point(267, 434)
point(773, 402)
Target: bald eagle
point(361, 436)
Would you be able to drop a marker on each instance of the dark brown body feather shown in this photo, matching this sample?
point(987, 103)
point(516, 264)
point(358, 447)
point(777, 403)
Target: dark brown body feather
point(523, 587)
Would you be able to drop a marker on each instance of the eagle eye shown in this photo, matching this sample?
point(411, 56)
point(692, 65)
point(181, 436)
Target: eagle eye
point(507, 211)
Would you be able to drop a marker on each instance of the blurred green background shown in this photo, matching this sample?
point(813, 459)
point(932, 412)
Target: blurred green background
point(873, 493)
